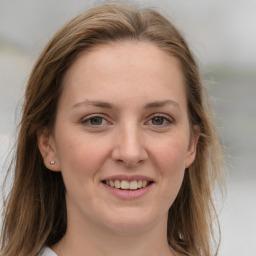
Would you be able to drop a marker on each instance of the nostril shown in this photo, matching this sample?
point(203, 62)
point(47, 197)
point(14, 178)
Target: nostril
point(129, 153)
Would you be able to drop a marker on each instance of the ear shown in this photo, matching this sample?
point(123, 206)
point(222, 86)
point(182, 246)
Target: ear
point(47, 148)
point(191, 153)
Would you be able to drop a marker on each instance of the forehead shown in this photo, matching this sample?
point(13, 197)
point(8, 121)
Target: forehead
point(127, 54)
point(122, 67)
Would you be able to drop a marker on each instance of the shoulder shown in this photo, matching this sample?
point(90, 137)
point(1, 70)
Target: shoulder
point(48, 252)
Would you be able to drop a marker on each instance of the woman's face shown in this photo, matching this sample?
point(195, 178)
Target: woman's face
point(122, 138)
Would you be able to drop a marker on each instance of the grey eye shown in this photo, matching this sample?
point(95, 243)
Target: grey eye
point(97, 120)
point(158, 120)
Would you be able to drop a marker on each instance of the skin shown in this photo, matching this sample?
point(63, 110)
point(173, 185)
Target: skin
point(136, 92)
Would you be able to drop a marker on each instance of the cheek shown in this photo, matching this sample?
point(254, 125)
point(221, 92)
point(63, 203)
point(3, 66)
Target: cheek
point(80, 160)
point(171, 154)
point(170, 162)
point(172, 169)
point(81, 155)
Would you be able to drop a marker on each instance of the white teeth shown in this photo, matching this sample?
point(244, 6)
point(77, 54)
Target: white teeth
point(139, 184)
point(144, 183)
point(117, 184)
point(111, 183)
point(133, 184)
point(125, 184)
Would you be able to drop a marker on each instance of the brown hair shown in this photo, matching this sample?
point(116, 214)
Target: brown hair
point(35, 213)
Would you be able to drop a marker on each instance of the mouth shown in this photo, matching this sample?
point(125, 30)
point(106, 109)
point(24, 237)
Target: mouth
point(127, 185)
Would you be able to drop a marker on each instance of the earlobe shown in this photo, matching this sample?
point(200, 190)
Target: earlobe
point(47, 148)
point(191, 154)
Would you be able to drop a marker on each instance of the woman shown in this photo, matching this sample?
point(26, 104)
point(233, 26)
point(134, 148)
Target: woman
point(116, 153)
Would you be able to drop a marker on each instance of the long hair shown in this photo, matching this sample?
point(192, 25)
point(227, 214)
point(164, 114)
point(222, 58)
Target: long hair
point(35, 210)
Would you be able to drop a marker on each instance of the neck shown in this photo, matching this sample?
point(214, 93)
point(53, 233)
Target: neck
point(85, 240)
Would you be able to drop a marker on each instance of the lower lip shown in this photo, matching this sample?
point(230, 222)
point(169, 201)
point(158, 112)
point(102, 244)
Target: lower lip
point(128, 194)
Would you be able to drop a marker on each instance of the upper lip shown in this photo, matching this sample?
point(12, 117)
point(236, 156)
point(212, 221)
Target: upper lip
point(128, 177)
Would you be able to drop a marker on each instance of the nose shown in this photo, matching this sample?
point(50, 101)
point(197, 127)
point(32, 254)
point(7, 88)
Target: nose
point(129, 148)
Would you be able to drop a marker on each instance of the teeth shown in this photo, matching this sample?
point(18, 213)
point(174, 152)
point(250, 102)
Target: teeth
point(139, 184)
point(117, 184)
point(125, 184)
point(111, 183)
point(133, 184)
point(144, 183)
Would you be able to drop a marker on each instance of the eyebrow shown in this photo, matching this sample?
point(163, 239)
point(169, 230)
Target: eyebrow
point(102, 104)
point(157, 104)
point(95, 103)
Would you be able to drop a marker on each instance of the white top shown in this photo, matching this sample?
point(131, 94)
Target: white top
point(48, 252)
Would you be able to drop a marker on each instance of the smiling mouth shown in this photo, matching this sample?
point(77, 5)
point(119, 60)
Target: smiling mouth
point(127, 185)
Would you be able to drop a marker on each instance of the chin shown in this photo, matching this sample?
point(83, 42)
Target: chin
point(129, 221)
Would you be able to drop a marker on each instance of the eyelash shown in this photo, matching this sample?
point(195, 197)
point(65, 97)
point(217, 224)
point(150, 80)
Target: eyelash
point(90, 118)
point(166, 121)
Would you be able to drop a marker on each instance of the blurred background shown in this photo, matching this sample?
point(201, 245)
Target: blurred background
point(222, 35)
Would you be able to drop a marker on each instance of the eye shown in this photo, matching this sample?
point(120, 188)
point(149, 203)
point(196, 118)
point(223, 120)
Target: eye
point(157, 120)
point(160, 120)
point(95, 121)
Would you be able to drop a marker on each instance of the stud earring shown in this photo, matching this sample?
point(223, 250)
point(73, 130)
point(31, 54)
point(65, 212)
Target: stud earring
point(52, 162)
